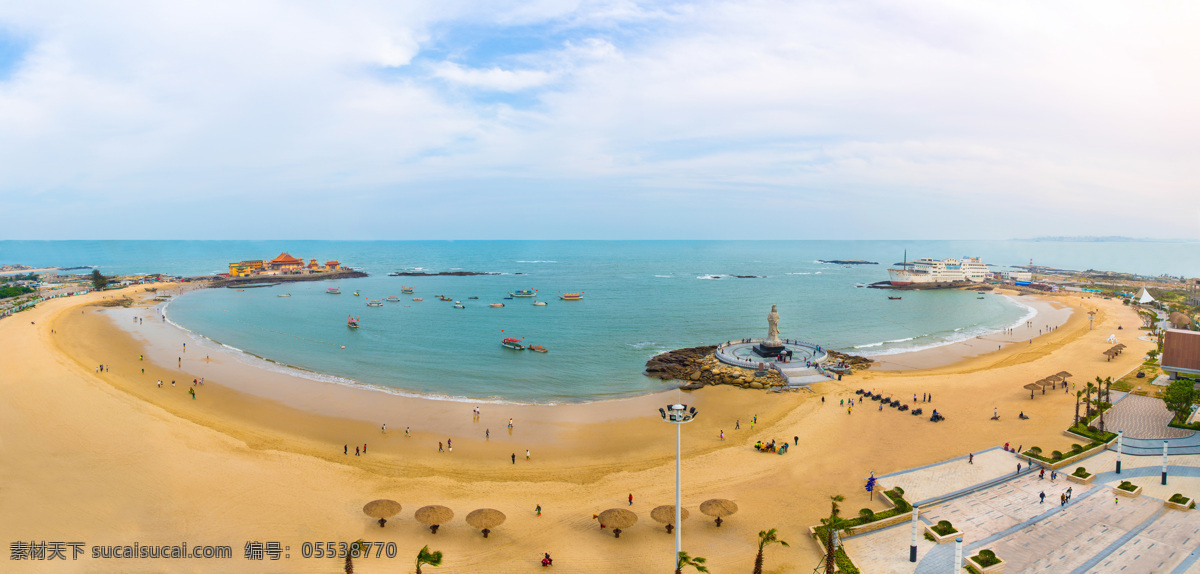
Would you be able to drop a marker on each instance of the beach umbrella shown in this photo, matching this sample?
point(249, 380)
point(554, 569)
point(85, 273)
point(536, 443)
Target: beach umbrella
point(1064, 375)
point(433, 516)
point(381, 509)
point(617, 518)
point(1033, 387)
point(718, 508)
point(485, 519)
point(665, 514)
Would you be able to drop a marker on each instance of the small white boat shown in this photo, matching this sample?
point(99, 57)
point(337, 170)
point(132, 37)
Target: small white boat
point(458, 305)
point(539, 303)
point(285, 294)
point(393, 299)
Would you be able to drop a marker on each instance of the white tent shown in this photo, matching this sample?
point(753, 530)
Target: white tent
point(1145, 297)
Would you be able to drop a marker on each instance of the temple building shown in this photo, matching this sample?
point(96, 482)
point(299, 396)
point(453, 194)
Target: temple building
point(332, 265)
point(285, 262)
point(245, 268)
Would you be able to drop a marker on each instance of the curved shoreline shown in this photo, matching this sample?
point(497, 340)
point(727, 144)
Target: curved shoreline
point(947, 349)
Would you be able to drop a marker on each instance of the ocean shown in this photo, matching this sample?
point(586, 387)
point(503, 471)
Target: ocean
point(640, 298)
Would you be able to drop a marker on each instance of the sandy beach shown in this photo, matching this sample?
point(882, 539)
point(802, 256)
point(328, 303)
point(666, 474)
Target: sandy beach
point(112, 458)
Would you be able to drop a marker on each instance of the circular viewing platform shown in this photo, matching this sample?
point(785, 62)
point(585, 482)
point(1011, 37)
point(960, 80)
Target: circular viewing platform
point(740, 353)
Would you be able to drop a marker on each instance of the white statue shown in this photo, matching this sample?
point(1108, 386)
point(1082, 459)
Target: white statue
point(773, 329)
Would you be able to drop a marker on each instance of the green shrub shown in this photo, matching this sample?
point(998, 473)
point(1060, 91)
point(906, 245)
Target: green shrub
point(1127, 486)
point(1076, 448)
point(986, 558)
point(1081, 472)
point(898, 490)
point(1036, 450)
point(1177, 498)
point(1056, 455)
point(843, 562)
point(867, 513)
point(943, 528)
point(930, 537)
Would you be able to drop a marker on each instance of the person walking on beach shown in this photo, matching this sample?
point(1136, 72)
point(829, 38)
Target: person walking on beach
point(796, 439)
point(510, 424)
point(356, 453)
point(848, 410)
point(383, 428)
point(487, 434)
point(160, 383)
point(440, 447)
point(722, 435)
point(631, 499)
point(737, 424)
point(406, 435)
point(526, 455)
point(514, 458)
point(364, 448)
point(346, 449)
point(971, 458)
point(539, 510)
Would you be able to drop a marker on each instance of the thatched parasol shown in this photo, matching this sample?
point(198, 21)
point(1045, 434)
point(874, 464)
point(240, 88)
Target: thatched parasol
point(433, 516)
point(1033, 387)
point(617, 518)
point(1064, 375)
point(381, 509)
point(485, 519)
point(718, 508)
point(665, 514)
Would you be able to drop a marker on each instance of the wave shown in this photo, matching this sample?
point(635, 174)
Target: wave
point(665, 276)
point(803, 273)
point(536, 261)
point(868, 346)
point(713, 276)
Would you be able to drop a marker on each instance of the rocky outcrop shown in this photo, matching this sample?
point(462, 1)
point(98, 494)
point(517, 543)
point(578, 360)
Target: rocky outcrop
point(698, 366)
point(856, 363)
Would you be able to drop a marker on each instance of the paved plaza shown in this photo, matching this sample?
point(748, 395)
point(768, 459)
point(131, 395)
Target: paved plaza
point(1142, 417)
point(1096, 531)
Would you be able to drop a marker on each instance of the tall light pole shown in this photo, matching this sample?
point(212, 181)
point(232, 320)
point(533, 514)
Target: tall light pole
point(678, 414)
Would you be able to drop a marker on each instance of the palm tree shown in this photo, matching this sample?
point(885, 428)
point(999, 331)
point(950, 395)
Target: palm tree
point(765, 538)
point(694, 561)
point(427, 557)
point(1079, 395)
point(832, 525)
point(1088, 401)
point(355, 547)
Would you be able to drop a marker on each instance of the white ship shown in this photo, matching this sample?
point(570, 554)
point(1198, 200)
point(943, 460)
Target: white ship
point(945, 271)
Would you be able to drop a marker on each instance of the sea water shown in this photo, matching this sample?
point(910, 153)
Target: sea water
point(640, 298)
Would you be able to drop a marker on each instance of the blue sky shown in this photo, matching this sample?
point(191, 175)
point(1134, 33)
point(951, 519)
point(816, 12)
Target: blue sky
point(613, 119)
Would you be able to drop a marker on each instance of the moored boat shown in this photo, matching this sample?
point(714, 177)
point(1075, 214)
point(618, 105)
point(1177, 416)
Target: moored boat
point(571, 296)
point(894, 298)
point(417, 299)
point(393, 299)
point(406, 290)
point(443, 298)
point(285, 294)
point(459, 305)
point(334, 290)
point(356, 294)
point(539, 303)
point(539, 349)
point(514, 344)
point(524, 293)
point(472, 297)
point(496, 305)
point(374, 303)
point(352, 321)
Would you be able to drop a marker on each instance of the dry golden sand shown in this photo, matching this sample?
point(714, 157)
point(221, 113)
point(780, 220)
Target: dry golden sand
point(112, 459)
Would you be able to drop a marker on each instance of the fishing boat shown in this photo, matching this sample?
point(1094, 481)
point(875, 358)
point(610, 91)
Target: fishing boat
point(496, 305)
point(538, 348)
point(374, 303)
point(352, 321)
point(334, 290)
point(285, 294)
point(524, 293)
point(406, 290)
point(458, 305)
point(472, 297)
point(514, 344)
point(539, 303)
point(356, 293)
point(894, 298)
point(571, 296)
point(445, 298)
point(393, 299)
point(979, 297)
point(417, 299)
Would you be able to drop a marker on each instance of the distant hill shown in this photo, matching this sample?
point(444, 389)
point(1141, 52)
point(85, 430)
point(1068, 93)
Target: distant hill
point(1107, 239)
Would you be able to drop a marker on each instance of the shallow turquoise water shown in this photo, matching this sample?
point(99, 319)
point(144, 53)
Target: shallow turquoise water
point(641, 298)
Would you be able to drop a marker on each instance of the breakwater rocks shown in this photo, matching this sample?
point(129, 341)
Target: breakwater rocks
point(855, 362)
point(966, 285)
point(256, 279)
point(848, 262)
point(698, 366)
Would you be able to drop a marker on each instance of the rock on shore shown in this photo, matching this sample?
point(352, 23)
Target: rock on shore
point(698, 366)
point(856, 363)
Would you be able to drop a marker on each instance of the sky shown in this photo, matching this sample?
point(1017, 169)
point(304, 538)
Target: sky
point(612, 119)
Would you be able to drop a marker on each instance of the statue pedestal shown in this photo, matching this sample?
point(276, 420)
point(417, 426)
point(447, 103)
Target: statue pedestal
point(768, 350)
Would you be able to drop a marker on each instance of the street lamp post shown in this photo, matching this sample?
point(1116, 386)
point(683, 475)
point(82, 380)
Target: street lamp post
point(678, 414)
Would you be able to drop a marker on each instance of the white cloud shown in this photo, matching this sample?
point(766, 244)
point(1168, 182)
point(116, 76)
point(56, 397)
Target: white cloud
point(1024, 113)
